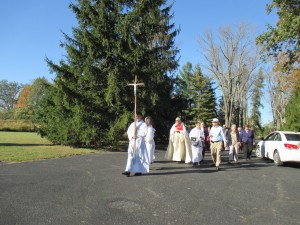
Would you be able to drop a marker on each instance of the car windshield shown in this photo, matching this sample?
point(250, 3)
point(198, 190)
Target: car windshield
point(292, 137)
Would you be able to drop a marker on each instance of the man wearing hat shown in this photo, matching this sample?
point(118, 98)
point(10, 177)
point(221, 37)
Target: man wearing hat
point(216, 137)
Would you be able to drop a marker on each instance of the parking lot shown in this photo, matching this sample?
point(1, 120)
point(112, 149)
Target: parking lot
point(89, 189)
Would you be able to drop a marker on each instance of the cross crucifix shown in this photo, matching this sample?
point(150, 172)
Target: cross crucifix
point(135, 84)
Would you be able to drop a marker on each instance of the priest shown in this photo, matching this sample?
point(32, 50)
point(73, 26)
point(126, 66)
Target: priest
point(138, 159)
point(179, 148)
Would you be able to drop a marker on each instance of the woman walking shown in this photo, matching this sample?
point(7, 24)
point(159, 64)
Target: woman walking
point(233, 141)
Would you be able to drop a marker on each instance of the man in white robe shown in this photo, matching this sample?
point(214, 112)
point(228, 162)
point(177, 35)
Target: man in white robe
point(138, 159)
point(179, 148)
point(197, 137)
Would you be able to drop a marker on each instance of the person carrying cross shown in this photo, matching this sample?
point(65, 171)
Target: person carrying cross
point(138, 159)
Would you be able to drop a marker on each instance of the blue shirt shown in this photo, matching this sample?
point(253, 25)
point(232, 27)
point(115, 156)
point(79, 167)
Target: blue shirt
point(247, 136)
point(217, 134)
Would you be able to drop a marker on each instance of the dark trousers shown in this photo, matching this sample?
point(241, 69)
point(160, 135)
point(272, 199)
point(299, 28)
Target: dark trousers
point(206, 146)
point(247, 149)
point(203, 151)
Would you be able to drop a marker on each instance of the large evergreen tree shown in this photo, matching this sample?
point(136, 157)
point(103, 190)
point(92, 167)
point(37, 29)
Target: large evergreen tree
point(89, 103)
point(184, 91)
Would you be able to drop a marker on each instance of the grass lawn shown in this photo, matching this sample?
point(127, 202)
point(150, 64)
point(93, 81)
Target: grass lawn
point(25, 146)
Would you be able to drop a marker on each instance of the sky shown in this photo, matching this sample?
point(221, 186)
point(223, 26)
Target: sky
point(31, 30)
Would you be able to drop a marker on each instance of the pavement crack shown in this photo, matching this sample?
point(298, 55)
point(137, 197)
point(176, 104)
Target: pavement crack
point(152, 192)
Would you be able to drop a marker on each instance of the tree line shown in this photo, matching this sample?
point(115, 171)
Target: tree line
point(89, 104)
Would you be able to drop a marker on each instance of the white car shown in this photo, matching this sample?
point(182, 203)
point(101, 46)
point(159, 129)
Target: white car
point(280, 146)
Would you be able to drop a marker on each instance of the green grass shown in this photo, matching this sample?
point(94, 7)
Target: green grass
point(25, 146)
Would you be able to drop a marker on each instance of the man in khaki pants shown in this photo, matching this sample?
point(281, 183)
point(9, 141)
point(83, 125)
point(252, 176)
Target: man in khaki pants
point(216, 137)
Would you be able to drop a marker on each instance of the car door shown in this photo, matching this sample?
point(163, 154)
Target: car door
point(275, 144)
point(268, 146)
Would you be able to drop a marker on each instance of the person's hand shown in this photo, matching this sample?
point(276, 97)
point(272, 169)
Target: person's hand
point(225, 145)
point(134, 136)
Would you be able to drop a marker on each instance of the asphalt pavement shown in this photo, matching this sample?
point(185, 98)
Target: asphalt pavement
point(90, 189)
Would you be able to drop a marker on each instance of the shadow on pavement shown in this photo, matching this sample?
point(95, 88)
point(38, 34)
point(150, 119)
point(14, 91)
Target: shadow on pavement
point(181, 172)
point(295, 165)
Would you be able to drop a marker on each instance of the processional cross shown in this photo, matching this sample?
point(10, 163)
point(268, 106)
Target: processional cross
point(135, 84)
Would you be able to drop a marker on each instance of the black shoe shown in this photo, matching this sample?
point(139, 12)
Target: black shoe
point(212, 165)
point(217, 168)
point(228, 162)
point(126, 173)
point(137, 174)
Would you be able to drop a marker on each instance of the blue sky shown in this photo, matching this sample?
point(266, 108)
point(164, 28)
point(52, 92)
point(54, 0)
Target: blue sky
point(31, 31)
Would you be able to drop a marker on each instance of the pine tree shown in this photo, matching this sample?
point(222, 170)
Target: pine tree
point(205, 101)
point(184, 90)
point(89, 103)
point(198, 94)
point(255, 118)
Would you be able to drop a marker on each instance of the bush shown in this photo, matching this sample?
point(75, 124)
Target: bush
point(17, 125)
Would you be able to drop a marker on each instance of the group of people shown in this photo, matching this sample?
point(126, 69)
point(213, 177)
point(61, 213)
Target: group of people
point(184, 146)
point(191, 147)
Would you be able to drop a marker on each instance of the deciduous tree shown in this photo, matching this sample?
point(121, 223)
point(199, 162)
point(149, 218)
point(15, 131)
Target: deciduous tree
point(231, 60)
point(9, 92)
point(257, 93)
point(282, 42)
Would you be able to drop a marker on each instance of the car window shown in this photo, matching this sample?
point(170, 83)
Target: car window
point(270, 137)
point(292, 137)
point(277, 137)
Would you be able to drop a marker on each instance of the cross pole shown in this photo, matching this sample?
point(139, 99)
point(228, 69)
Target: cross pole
point(135, 84)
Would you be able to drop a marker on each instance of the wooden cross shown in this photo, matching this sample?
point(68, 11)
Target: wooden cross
point(135, 84)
